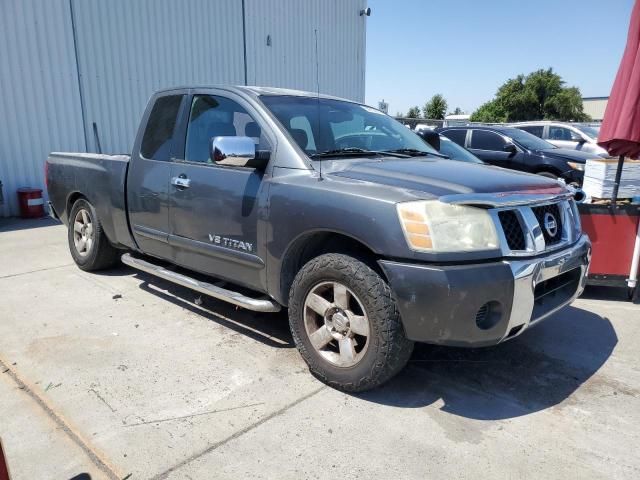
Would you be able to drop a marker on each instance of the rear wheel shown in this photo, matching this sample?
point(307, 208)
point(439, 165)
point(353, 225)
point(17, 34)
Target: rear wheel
point(345, 323)
point(88, 244)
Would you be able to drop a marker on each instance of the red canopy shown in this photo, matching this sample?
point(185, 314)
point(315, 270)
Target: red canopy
point(620, 131)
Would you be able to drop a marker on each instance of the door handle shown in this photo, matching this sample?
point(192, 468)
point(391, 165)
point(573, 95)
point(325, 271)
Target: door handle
point(181, 182)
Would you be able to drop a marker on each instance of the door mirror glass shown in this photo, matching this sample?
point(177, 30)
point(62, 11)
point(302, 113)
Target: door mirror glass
point(236, 152)
point(431, 137)
point(510, 148)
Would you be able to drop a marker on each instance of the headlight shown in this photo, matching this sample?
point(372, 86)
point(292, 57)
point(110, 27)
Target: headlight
point(576, 166)
point(433, 226)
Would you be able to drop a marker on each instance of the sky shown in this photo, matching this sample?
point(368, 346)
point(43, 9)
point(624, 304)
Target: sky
point(466, 49)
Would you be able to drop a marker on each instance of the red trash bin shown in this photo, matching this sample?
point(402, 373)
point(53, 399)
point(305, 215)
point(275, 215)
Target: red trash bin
point(31, 202)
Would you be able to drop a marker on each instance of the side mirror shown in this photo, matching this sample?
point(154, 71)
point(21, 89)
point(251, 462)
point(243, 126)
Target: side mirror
point(236, 152)
point(577, 138)
point(431, 137)
point(511, 149)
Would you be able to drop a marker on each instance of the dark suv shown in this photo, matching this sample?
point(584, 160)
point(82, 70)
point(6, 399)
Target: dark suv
point(518, 150)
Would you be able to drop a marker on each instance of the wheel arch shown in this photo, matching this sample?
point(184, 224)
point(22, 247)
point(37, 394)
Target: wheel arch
point(72, 198)
point(310, 245)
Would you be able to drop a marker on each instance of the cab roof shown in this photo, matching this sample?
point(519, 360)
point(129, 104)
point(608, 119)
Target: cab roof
point(258, 91)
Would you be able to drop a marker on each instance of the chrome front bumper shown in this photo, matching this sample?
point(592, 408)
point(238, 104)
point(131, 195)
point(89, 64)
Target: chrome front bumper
point(528, 304)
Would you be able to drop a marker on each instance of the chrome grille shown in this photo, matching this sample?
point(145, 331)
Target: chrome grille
point(523, 232)
point(512, 229)
point(551, 212)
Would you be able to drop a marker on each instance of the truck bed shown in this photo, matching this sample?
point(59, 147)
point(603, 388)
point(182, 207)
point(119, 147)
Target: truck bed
point(98, 177)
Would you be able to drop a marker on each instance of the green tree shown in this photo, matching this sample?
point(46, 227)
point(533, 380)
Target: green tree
point(414, 112)
point(457, 111)
point(435, 108)
point(488, 113)
point(537, 96)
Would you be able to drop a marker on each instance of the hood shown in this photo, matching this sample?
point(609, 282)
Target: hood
point(566, 154)
point(439, 177)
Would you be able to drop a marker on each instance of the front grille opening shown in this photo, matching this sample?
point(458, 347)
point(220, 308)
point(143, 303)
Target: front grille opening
point(552, 293)
point(544, 213)
point(488, 315)
point(512, 228)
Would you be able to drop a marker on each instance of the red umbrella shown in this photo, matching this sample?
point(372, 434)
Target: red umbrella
point(620, 131)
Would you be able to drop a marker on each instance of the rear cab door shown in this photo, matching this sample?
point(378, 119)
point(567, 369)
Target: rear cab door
point(217, 213)
point(149, 173)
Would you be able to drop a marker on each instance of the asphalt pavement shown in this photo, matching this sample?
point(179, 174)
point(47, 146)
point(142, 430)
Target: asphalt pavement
point(121, 375)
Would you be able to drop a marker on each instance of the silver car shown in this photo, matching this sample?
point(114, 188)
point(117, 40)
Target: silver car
point(573, 136)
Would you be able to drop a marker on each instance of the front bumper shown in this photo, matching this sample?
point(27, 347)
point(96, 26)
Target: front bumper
point(484, 304)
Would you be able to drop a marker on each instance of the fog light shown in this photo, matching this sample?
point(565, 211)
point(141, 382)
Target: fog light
point(488, 315)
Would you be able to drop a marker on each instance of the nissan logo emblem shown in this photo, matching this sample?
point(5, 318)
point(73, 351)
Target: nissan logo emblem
point(550, 224)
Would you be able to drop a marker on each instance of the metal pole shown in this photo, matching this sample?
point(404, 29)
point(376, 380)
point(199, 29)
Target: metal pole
point(616, 185)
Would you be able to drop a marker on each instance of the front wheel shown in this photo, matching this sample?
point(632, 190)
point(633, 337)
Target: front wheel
point(345, 323)
point(88, 244)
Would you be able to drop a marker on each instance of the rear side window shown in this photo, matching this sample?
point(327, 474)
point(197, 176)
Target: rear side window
point(485, 140)
point(457, 136)
point(559, 133)
point(533, 130)
point(158, 136)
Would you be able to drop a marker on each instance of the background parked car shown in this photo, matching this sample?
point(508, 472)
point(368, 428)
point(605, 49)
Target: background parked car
point(566, 135)
point(448, 147)
point(513, 148)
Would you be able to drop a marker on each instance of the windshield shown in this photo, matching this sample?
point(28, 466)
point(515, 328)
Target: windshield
point(591, 132)
point(321, 125)
point(455, 152)
point(526, 139)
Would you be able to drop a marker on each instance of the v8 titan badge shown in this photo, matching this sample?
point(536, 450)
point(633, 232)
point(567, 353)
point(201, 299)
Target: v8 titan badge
point(231, 243)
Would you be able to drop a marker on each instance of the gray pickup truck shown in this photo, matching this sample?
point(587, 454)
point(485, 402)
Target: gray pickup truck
point(269, 198)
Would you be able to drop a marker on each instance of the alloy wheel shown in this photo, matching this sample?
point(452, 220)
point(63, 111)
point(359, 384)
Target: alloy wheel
point(336, 323)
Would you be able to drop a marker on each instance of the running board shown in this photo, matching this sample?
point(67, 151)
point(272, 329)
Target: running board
point(255, 304)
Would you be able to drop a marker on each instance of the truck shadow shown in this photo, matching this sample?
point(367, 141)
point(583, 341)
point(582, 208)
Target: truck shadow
point(272, 329)
point(539, 369)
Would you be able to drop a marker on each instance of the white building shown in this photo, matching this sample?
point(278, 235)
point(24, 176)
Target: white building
point(595, 107)
point(67, 64)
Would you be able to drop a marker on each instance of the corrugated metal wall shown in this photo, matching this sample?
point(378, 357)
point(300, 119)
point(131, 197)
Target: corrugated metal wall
point(39, 101)
point(290, 60)
point(129, 49)
point(65, 64)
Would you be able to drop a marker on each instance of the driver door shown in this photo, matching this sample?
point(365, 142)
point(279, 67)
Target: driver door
point(214, 213)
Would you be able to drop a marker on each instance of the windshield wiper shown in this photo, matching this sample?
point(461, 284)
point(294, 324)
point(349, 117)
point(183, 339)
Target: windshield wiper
point(355, 151)
point(414, 152)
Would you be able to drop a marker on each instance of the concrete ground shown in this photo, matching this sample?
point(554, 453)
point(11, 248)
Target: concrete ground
point(121, 375)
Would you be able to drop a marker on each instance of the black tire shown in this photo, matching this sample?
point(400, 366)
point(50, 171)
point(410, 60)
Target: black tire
point(100, 254)
point(387, 349)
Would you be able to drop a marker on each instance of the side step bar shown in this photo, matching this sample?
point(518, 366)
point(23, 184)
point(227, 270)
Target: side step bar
point(255, 304)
